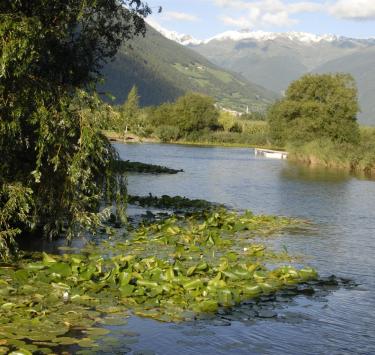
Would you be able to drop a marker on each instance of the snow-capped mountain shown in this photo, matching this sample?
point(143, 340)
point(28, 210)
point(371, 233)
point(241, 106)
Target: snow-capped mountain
point(270, 36)
point(259, 36)
point(273, 60)
point(180, 38)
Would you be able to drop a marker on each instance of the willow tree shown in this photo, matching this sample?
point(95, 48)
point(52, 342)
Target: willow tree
point(55, 166)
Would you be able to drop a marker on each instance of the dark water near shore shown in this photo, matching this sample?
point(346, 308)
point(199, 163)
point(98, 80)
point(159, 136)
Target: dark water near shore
point(342, 242)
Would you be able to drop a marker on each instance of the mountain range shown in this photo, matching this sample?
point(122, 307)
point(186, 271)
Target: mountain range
point(274, 60)
point(163, 70)
point(240, 69)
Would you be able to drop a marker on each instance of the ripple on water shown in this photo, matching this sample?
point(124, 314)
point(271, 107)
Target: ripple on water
point(342, 210)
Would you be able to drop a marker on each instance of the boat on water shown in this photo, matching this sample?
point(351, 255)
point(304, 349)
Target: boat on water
point(273, 154)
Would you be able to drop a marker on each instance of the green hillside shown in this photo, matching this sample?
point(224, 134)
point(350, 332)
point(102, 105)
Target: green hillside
point(271, 64)
point(362, 66)
point(274, 64)
point(164, 70)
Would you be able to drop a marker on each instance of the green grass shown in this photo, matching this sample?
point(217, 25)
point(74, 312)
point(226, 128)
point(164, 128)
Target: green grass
point(354, 158)
point(221, 75)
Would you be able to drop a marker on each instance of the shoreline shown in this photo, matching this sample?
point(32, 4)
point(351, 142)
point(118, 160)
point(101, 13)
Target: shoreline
point(134, 139)
point(309, 160)
point(313, 161)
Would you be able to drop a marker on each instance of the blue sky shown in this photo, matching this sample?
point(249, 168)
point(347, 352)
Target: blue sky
point(206, 18)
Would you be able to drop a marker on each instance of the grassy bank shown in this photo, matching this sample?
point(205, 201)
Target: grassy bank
point(251, 134)
point(358, 158)
point(354, 158)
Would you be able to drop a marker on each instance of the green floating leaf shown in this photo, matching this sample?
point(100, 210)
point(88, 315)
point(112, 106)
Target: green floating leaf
point(62, 269)
point(114, 321)
point(126, 290)
point(48, 259)
point(21, 352)
point(96, 332)
point(86, 343)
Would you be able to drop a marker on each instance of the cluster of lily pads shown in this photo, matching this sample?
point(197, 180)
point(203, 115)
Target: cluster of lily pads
point(127, 166)
point(170, 271)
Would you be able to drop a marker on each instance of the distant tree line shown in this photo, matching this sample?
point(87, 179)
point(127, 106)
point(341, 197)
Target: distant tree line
point(192, 117)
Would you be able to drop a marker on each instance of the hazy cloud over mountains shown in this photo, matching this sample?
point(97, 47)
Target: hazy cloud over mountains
point(360, 10)
point(281, 13)
point(180, 16)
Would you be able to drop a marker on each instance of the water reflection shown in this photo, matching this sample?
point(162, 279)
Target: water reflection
point(342, 209)
point(294, 171)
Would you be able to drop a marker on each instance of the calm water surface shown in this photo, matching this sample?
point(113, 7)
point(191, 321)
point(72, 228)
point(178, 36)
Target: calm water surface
point(342, 209)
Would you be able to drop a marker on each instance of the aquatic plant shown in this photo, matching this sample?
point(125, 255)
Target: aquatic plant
point(127, 166)
point(171, 202)
point(169, 270)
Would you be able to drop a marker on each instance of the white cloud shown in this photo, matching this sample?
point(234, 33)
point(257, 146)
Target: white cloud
point(179, 16)
point(360, 10)
point(280, 12)
point(280, 19)
point(264, 13)
point(249, 21)
point(304, 6)
point(241, 22)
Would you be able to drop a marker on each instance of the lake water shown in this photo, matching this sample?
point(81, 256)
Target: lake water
point(342, 242)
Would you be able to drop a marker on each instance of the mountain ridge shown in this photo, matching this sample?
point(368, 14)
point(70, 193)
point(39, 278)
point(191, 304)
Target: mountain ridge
point(304, 37)
point(274, 60)
point(164, 70)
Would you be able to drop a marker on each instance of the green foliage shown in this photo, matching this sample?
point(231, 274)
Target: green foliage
point(50, 141)
point(194, 112)
point(190, 113)
point(162, 115)
point(171, 270)
point(227, 120)
point(167, 133)
point(129, 113)
point(169, 202)
point(236, 128)
point(245, 132)
point(254, 116)
point(164, 70)
point(122, 167)
point(259, 139)
point(358, 158)
point(15, 207)
point(314, 107)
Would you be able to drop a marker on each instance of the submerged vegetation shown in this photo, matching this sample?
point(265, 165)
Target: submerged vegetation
point(170, 271)
point(171, 202)
point(123, 167)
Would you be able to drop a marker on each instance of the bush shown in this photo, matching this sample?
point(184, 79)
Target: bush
point(195, 112)
point(236, 128)
point(167, 133)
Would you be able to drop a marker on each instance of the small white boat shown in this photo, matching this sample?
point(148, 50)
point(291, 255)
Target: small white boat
point(273, 154)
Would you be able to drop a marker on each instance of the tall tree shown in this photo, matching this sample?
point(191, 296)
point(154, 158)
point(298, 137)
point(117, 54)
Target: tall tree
point(129, 112)
point(194, 112)
point(317, 106)
point(54, 161)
